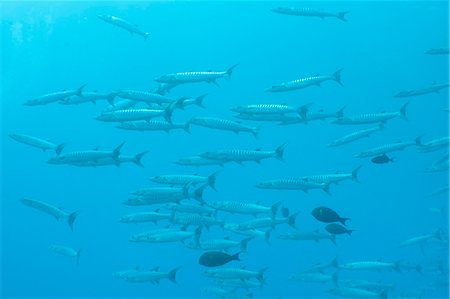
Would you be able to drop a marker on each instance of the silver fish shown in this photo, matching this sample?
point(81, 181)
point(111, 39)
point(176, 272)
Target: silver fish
point(38, 142)
point(301, 83)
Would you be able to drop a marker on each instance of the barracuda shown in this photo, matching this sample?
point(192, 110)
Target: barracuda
point(370, 118)
point(388, 148)
point(245, 208)
point(67, 251)
point(180, 179)
point(38, 142)
point(308, 12)
point(153, 125)
point(194, 77)
point(267, 109)
point(293, 184)
point(356, 136)
point(55, 97)
point(121, 23)
point(240, 156)
point(306, 82)
point(224, 124)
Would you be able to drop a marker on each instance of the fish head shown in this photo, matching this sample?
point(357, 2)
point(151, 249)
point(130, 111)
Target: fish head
point(106, 18)
point(280, 9)
point(274, 88)
point(264, 185)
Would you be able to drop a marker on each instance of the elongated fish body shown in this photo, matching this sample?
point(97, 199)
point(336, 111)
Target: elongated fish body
point(387, 148)
point(371, 265)
point(308, 236)
point(144, 217)
point(292, 184)
point(219, 245)
point(440, 165)
point(123, 24)
point(306, 82)
point(52, 210)
point(434, 145)
point(308, 12)
point(244, 208)
point(185, 102)
point(184, 179)
point(264, 109)
point(334, 178)
point(282, 118)
point(254, 233)
point(320, 267)
point(152, 276)
point(442, 190)
point(219, 292)
point(356, 136)
point(307, 116)
point(435, 88)
point(187, 220)
point(164, 88)
point(136, 159)
point(420, 240)
point(120, 105)
point(437, 51)
point(375, 286)
point(55, 97)
point(356, 293)
point(371, 118)
point(223, 124)
point(132, 115)
point(199, 161)
point(67, 251)
point(313, 277)
point(86, 156)
point(238, 283)
point(175, 236)
point(153, 125)
point(38, 142)
point(144, 96)
point(150, 196)
point(142, 237)
point(235, 273)
point(189, 208)
point(87, 97)
point(194, 77)
point(244, 155)
point(267, 222)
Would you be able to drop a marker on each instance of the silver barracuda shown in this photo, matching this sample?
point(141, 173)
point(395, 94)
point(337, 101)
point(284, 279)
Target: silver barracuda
point(306, 115)
point(314, 277)
point(145, 217)
point(184, 102)
point(190, 208)
point(267, 109)
point(136, 159)
point(309, 12)
point(334, 178)
point(298, 183)
point(194, 77)
point(136, 114)
point(144, 96)
point(199, 161)
point(357, 293)
point(268, 222)
point(388, 148)
point(242, 155)
point(54, 97)
point(356, 136)
point(219, 244)
point(153, 125)
point(434, 145)
point(371, 118)
point(308, 236)
point(239, 207)
point(38, 142)
point(434, 88)
point(67, 251)
point(151, 276)
point(301, 83)
point(235, 273)
point(121, 23)
point(183, 179)
point(86, 97)
point(224, 124)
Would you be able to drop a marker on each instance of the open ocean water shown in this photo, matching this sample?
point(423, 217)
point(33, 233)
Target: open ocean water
point(398, 209)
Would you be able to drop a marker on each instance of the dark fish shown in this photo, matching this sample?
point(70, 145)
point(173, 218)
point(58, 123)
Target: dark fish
point(337, 229)
point(217, 258)
point(382, 159)
point(285, 212)
point(327, 215)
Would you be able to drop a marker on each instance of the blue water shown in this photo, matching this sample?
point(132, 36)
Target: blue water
point(48, 47)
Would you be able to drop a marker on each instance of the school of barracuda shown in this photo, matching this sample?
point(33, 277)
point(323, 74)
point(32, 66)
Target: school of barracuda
point(177, 203)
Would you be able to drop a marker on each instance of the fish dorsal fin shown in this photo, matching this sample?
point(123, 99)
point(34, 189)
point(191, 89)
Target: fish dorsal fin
point(136, 268)
point(156, 211)
point(243, 267)
point(316, 231)
point(95, 148)
point(64, 89)
point(227, 238)
point(155, 269)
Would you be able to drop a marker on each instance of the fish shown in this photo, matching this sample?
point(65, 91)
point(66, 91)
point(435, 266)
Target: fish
point(87, 97)
point(218, 292)
point(309, 12)
point(67, 251)
point(190, 208)
point(217, 258)
point(194, 77)
point(306, 115)
point(153, 276)
point(235, 273)
point(433, 145)
point(199, 161)
point(38, 142)
point(153, 125)
point(166, 236)
point(164, 88)
point(136, 114)
point(383, 159)
point(356, 136)
point(144, 96)
point(337, 229)
point(285, 212)
point(120, 105)
point(184, 102)
point(298, 183)
point(224, 124)
point(442, 190)
point(52, 210)
point(320, 267)
point(437, 51)
point(239, 207)
point(254, 233)
point(55, 96)
point(376, 286)
point(440, 165)
point(389, 148)
point(121, 23)
point(145, 217)
point(268, 222)
point(315, 277)
point(242, 155)
point(334, 178)
point(272, 117)
point(142, 237)
point(357, 293)
point(220, 244)
point(267, 109)
point(187, 220)
point(370, 118)
point(151, 196)
point(422, 240)
point(136, 159)
point(239, 284)
point(434, 88)
point(328, 215)
point(91, 156)
point(306, 236)
point(301, 83)
point(183, 179)
point(371, 265)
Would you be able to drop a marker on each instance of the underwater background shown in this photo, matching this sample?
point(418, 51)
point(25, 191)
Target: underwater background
point(52, 46)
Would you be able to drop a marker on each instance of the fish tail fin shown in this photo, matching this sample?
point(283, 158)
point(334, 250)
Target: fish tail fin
point(199, 100)
point(230, 70)
point(212, 180)
point(279, 152)
point(80, 90)
point(333, 239)
point(403, 110)
point(71, 219)
point(179, 104)
point(116, 153)
point(292, 218)
point(383, 294)
point(340, 112)
point(198, 193)
point(138, 158)
point(78, 256)
point(418, 140)
point(397, 266)
point(350, 231)
point(60, 148)
point(274, 208)
point(438, 234)
point(337, 76)
point(336, 278)
point(334, 263)
point(110, 98)
point(173, 275)
point(256, 131)
point(168, 112)
point(261, 274)
point(303, 111)
point(326, 189)
point(187, 127)
point(341, 15)
point(244, 244)
point(235, 257)
point(355, 174)
point(267, 236)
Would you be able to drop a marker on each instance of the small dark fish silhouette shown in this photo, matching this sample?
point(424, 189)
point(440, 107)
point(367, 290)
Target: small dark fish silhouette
point(285, 212)
point(337, 229)
point(217, 258)
point(383, 159)
point(327, 215)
